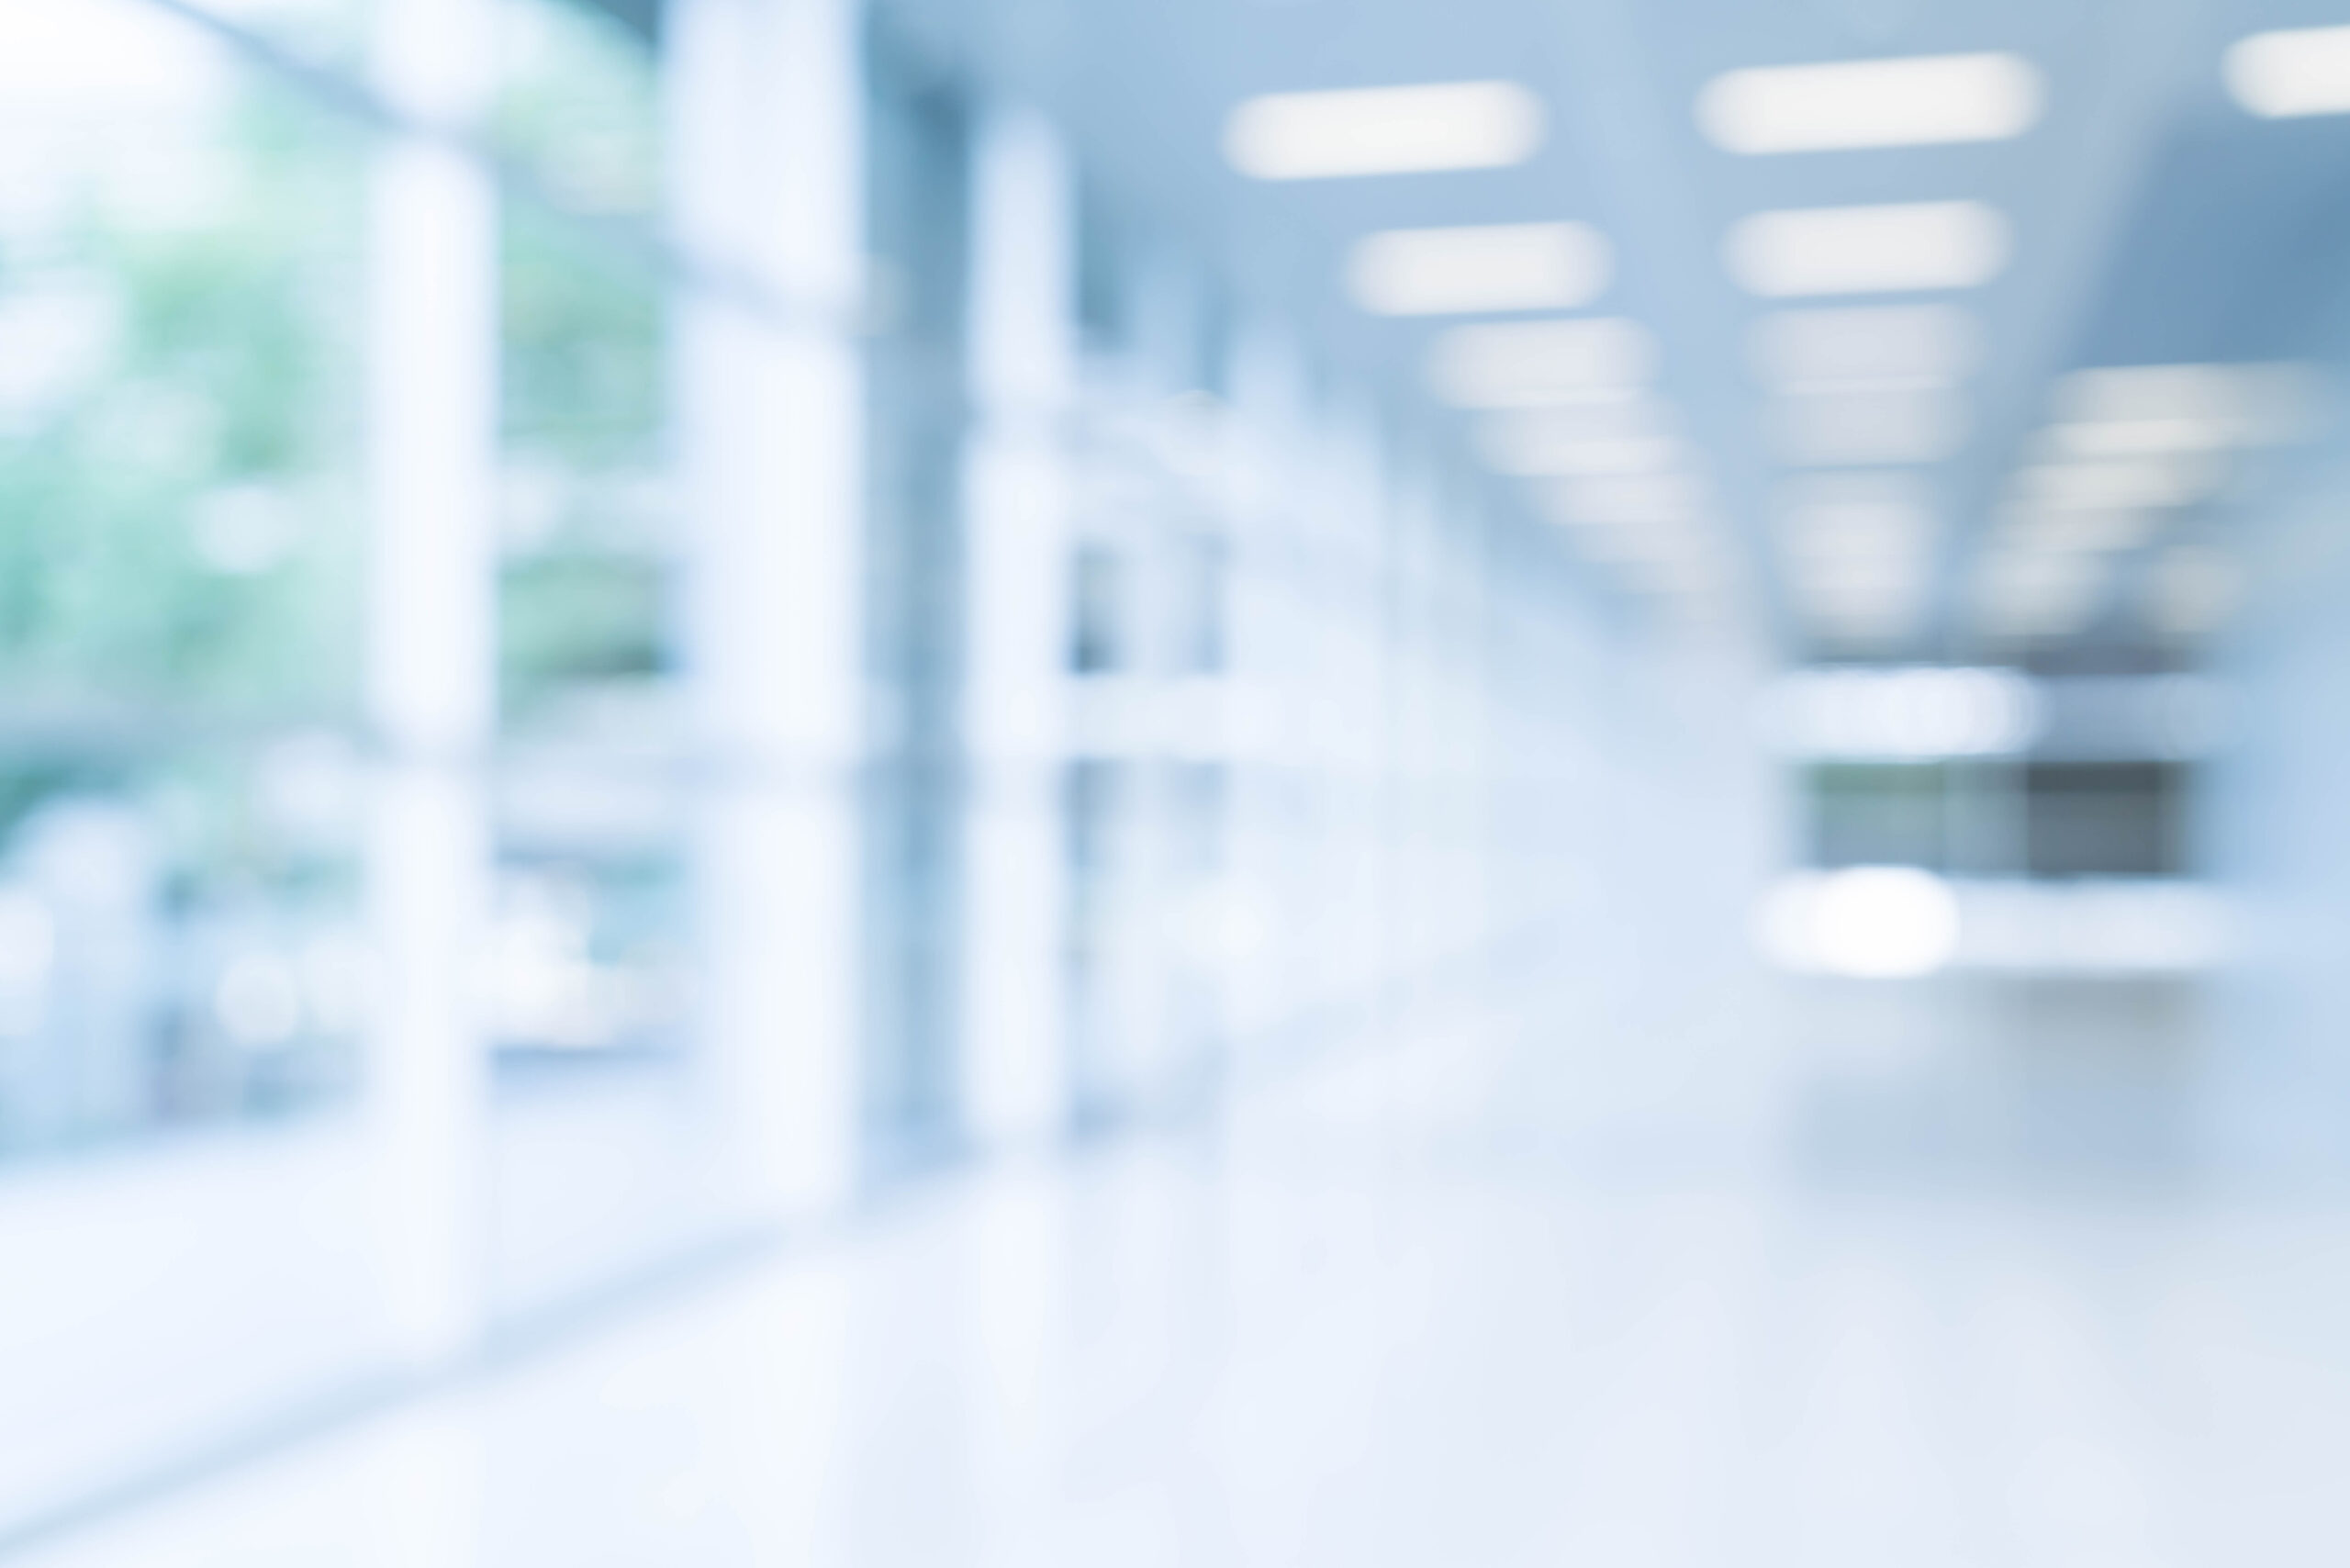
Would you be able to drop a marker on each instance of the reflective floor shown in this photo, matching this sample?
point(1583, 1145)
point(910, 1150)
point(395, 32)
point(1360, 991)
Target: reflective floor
point(1861, 1277)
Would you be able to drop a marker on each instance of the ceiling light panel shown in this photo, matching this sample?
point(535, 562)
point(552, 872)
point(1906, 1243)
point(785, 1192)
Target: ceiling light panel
point(2118, 486)
point(2040, 595)
point(1899, 248)
point(2284, 75)
point(1848, 429)
point(2258, 404)
point(1695, 578)
point(1880, 605)
point(1896, 714)
point(1872, 581)
point(1384, 131)
point(1865, 348)
point(1642, 501)
point(1847, 515)
point(2193, 592)
point(2128, 448)
point(2071, 532)
point(1858, 551)
point(2091, 439)
point(1886, 609)
point(2148, 392)
point(1627, 437)
point(1655, 548)
point(1536, 455)
point(1485, 268)
point(1517, 364)
point(1911, 102)
point(1624, 419)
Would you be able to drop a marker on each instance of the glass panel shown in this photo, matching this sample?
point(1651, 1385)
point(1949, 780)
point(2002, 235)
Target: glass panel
point(1879, 815)
point(2120, 819)
point(1150, 863)
point(592, 912)
point(179, 581)
point(916, 141)
point(579, 103)
point(585, 502)
point(592, 894)
point(326, 33)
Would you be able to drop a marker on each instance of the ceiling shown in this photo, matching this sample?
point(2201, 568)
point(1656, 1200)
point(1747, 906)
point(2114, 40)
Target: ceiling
point(2153, 221)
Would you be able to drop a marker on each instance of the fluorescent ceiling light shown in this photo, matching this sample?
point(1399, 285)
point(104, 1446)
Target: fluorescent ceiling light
point(1880, 597)
point(1690, 568)
point(1864, 629)
point(1627, 437)
point(1888, 537)
point(1529, 363)
point(1851, 516)
point(1855, 585)
point(1622, 419)
point(1491, 267)
point(1885, 606)
point(2116, 486)
point(1691, 576)
point(1889, 714)
point(1655, 547)
point(2141, 438)
point(1536, 454)
point(2059, 531)
point(1854, 429)
point(2148, 392)
point(2193, 591)
point(1875, 571)
point(2283, 75)
point(1873, 583)
point(2264, 403)
point(1881, 625)
point(1642, 501)
point(1384, 131)
point(1871, 103)
point(1867, 347)
point(1865, 621)
point(1869, 250)
point(2040, 595)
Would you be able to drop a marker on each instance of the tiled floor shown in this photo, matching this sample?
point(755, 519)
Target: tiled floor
point(1492, 1296)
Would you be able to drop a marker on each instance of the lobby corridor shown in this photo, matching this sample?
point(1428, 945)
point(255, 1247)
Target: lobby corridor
point(1478, 1293)
point(1099, 784)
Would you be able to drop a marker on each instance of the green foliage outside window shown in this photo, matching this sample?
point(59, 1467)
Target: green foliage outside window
point(584, 371)
point(177, 514)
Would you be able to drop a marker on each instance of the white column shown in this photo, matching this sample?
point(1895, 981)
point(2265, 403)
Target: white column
point(432, 431)
point(766, 121)
point(1022, 349)
point(1472, 733)
point(1269, 652)
point(1403, 832)
point(1355, 691)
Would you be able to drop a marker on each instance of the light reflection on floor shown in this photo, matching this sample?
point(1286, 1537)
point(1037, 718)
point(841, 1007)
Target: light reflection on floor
point(1861, 1276)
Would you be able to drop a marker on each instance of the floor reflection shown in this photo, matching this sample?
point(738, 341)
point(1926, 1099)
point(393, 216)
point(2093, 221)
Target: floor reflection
point(2010, 1078)
point(1927, 1275)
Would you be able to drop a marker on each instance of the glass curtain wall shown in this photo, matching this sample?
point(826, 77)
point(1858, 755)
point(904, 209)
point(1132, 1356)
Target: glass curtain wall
point(590, 800)
point(1261, 634)
point(1147, 788)
point(1312, 776)
point(319, 356)
point(180, 756)
point(918, 411)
